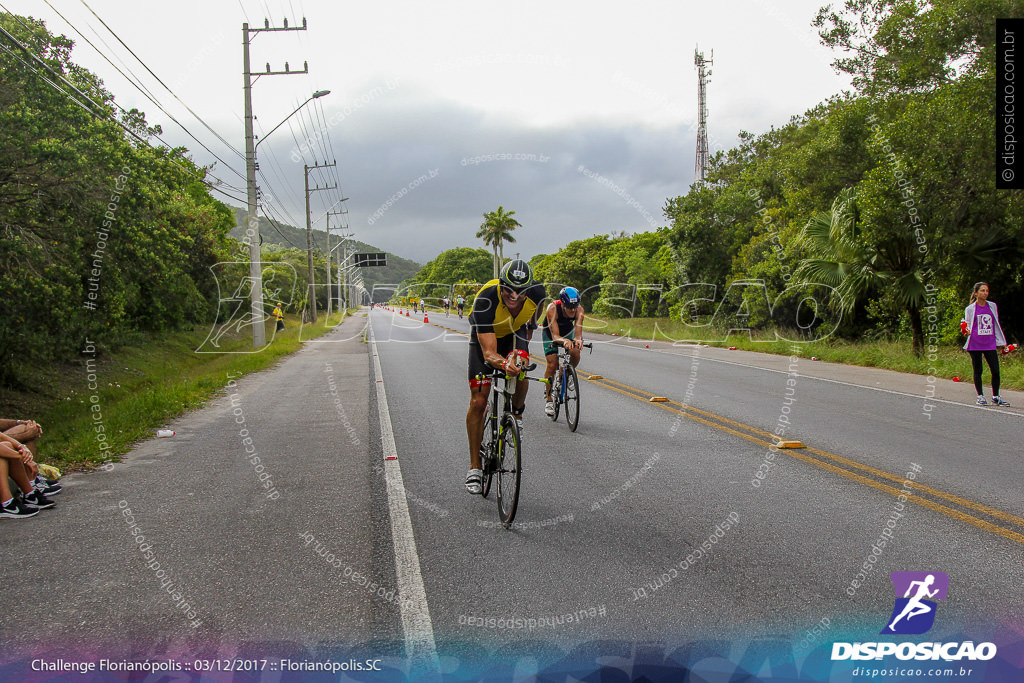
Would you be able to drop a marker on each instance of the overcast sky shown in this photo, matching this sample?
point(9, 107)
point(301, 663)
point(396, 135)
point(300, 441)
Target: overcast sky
point(579, 117)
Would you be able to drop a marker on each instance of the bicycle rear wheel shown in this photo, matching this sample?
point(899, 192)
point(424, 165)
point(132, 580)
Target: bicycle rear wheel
point(572, 398)
point(509, 469)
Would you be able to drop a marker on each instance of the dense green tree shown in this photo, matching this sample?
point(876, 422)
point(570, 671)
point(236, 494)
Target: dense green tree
point(640, 269)
point(902, 46)
point(578, 264)
point(102, 234)
point(461, 265)
point(857, 261)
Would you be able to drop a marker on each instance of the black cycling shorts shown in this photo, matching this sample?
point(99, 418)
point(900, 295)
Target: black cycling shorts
point(481, 369)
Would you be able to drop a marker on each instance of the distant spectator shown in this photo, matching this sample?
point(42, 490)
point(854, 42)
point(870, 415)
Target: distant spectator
point(985, 340)
point(279, 316)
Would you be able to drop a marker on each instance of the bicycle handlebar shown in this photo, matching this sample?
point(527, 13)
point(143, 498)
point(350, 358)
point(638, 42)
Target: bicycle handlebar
point(501, 373)
point(588, 345)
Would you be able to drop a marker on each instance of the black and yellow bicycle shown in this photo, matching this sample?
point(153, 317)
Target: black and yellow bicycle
point(501, 455)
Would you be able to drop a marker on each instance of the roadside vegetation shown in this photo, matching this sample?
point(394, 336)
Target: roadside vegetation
point(948, 360)
point(142, 386)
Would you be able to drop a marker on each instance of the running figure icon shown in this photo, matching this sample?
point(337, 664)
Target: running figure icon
point(915, 606)
point(916, 594)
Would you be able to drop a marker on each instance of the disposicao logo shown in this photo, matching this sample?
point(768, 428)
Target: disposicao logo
point(914, 614)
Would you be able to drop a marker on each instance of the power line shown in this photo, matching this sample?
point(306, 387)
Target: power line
point(312, 127)
point(275, 167)
point(300, 146)
point(327, 131)
point(140, 88)
point(277, 229)
point(173, 94)
point(105, 115)
point(266, 184)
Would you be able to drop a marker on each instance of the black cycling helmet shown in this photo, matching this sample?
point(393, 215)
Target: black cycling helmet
point(569, 296)
point(516, 275)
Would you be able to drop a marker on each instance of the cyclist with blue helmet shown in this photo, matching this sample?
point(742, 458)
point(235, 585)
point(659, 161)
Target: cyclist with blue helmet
point(562, 326)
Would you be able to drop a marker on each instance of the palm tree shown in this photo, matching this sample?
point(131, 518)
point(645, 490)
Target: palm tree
point(857, 266)
point(495, 231)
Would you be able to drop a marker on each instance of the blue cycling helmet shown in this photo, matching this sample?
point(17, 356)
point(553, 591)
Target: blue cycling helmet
point(569, 296)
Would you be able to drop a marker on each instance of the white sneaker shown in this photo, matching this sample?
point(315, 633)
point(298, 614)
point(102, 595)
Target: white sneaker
point(549, 409)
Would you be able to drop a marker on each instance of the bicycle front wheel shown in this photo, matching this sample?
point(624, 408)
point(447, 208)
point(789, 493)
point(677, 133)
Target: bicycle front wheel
point(572, 398)
point(488, 468)
point(509, 469)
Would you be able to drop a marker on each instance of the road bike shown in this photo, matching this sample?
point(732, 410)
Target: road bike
point(565, 389)
point(501, 453)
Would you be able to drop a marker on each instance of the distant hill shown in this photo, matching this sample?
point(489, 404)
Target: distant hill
point(397, 270)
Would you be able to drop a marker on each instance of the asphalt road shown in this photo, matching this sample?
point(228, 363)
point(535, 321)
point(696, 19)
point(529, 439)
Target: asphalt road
point(649, 525)
point(644, 487)
point(233, 568)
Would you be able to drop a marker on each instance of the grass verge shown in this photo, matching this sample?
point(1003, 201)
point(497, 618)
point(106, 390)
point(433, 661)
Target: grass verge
point(946, 362)
point(139, 388)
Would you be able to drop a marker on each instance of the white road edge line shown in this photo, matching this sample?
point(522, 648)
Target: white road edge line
point(416, 624)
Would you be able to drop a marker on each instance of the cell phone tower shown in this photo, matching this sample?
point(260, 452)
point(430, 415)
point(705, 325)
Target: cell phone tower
point(703, 73)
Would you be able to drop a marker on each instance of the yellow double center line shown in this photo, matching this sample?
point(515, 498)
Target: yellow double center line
point(977, 514)
point(998, 522)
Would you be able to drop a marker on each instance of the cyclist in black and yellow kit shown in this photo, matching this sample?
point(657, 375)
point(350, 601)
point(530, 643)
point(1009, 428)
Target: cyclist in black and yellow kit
point(502, 320)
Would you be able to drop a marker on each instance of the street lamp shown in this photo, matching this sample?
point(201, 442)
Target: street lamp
point(259, 333)
point(318, 93)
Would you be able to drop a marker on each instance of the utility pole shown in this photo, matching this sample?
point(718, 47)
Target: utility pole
point(311, 296)
point(330, 256)
point(700, 164)
point(252, 232)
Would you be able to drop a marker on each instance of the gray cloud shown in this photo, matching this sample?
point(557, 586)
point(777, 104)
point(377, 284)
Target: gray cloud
point(473, 163)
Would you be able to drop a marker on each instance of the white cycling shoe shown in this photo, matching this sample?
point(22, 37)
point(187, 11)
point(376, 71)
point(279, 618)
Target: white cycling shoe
point(475, 482)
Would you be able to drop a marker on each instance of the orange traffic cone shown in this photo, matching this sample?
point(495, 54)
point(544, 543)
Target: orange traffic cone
point(407, 314)
point(425, 318)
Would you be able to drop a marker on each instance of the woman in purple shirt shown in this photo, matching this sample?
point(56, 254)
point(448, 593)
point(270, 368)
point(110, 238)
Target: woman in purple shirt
point(981, 320)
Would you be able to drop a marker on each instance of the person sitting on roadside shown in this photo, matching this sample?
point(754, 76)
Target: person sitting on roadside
point(14, 463)
point(27, 433)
